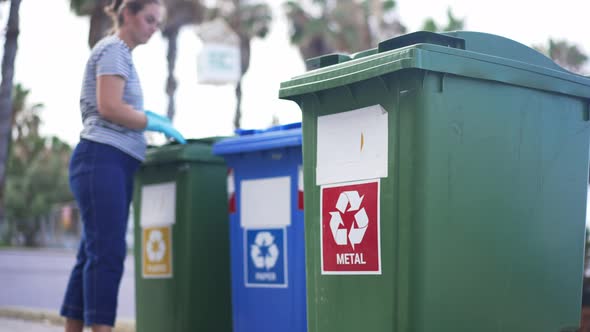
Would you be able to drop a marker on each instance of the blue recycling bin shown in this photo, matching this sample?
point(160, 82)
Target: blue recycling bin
point(265, 189)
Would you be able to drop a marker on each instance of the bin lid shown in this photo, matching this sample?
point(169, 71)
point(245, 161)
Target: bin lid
point(195, 150)
point(465, 53)
point(258, 140)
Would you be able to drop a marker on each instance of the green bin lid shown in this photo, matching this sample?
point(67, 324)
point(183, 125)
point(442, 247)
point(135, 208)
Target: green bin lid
point(365, 53)
point(195, 150)
point(326, 60)
point(465, 53)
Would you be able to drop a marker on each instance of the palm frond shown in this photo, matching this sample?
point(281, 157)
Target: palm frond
point(83, 7)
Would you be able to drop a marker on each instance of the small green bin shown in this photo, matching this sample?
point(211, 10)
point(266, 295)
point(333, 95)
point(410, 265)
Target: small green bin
point(182, 277)
point(445, 187)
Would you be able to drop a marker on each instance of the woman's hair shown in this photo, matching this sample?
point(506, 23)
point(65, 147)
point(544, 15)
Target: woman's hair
point(115, 9)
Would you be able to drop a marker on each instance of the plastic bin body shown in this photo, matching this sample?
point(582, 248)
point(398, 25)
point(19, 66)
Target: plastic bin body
point(482, 205)
point(181, 190)
point(268, 294)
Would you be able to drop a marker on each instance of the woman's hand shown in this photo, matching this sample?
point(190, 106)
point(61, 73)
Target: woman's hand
point(160, 123)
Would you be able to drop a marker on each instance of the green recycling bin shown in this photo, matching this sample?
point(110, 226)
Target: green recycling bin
point(445, 186)
point(182, 277)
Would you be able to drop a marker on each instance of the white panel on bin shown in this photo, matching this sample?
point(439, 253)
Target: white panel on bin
point(265, 202)
point(352, 145)
point(158, 204)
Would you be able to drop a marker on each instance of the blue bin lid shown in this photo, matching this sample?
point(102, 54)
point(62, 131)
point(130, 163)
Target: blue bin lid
point(250, 140)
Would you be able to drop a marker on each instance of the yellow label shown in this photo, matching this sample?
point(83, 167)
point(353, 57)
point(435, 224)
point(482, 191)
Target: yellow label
point(157, 252)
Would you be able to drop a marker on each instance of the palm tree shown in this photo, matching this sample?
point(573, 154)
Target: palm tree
point(341, 26)
point(248, 20)
point(10, 48)
point(179, 14)
point(567, 55)
point(100, 22)
point(38, 175)
point(25, 117)
point(17, 130)
point(452, 24)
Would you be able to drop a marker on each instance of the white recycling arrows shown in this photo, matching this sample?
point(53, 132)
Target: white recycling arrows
point(351, 197)
point(155, 248)
point(339, 234)
point(356, 234)
point(271, 258)
point(349, 201)
point(268, 261)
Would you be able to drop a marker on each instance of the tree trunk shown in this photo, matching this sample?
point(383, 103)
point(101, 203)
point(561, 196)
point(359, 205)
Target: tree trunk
point(179, 13)
point(100, 23)
point(10, 47)
point(374, 19)
point(171, 84)
point(235, 24)
point(238, 114)
point(245, 65)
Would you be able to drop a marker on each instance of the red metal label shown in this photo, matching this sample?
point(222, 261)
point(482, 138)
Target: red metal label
point(350, 234)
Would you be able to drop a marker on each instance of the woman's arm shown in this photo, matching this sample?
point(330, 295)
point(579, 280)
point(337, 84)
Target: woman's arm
point(109, 95)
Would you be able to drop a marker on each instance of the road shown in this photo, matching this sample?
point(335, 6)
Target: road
point(38, 278)
point(17, 325)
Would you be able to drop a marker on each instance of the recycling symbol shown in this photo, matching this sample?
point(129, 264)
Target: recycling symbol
point(349, 201)
point(264, 252)
point(156, 247)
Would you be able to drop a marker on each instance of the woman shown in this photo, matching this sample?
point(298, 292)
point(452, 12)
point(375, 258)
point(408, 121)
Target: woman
point(103, 164)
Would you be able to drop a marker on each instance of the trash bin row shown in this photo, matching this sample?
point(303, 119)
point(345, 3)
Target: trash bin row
point(183, 279)
point(445, 180)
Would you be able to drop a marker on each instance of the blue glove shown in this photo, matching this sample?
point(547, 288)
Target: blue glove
point(159, 116)
point(159, 123)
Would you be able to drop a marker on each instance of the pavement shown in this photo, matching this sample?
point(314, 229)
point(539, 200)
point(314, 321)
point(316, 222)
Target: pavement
point(21, 319)
point(37, 278)
point(17, 325)
point(32, 283)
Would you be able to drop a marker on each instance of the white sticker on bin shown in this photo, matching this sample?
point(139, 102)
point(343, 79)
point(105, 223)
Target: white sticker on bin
point(352, 145)
point(265, 202)
point(158, 204)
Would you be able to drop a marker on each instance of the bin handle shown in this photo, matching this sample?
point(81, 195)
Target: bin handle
point(326, 60)
point(420, 37)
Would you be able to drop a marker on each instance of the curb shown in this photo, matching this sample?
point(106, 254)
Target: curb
point(52, 317)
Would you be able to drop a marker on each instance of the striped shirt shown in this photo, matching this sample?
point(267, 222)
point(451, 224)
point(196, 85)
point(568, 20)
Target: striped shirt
point(111, 56)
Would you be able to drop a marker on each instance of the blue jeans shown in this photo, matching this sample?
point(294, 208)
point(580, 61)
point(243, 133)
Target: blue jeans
point(101, 179)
